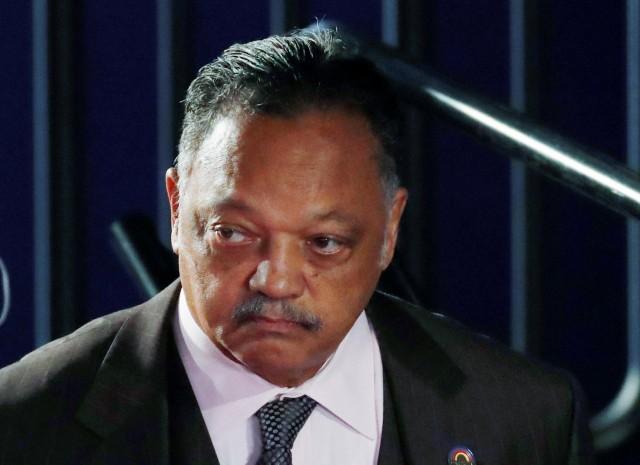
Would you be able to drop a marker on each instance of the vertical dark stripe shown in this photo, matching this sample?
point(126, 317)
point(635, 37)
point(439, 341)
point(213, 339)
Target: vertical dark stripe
point(525, 288)
point(172, 68)
point(57, 196)
point(417, 252)
point(65, 170)
point(165, 123)
point(633, 159)
point(412, 274)
point(284, 15)
point(41, 197)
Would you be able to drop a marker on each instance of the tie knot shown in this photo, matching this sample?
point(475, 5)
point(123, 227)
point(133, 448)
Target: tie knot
point(281, 420)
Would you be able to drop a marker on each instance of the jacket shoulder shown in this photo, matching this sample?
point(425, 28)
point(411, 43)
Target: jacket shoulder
point(477, 355)
point(64, 364)
point(66, 367)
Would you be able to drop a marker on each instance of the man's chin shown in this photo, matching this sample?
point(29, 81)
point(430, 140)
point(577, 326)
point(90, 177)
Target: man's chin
point(261, 338)
point(278, 361)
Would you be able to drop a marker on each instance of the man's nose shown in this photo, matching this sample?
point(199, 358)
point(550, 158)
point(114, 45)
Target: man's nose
point(279, 275)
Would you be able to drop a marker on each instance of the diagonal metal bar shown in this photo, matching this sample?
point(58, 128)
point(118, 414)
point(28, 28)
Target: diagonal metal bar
point(586, 171)
point(151, 265)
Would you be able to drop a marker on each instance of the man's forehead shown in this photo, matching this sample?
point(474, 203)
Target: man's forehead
point(220, 142)
point(314, 154)
point(226, 130)
point(216, 163)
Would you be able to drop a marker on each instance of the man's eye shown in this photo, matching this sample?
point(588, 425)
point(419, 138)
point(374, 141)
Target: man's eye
point(229, 235)
point(326, 245)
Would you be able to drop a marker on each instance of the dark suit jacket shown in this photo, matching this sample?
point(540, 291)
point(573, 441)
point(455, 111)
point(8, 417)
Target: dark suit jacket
point(100, 395)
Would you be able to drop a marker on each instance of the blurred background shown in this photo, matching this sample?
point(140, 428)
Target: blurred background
point(89, 117)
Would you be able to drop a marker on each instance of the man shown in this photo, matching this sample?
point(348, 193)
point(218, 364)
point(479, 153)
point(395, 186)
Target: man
point(273, 347)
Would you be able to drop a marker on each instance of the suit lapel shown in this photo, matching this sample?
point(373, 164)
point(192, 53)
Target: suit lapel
point(422, 381)
point(390, 447)
point(127, 404)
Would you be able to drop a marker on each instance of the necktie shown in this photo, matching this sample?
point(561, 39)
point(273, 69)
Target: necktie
point(280, 421)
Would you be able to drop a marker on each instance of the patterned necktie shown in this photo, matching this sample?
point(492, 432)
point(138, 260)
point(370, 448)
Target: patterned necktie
point(280, 422)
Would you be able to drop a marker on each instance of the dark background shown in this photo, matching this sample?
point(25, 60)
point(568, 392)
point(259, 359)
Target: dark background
point(456, 243)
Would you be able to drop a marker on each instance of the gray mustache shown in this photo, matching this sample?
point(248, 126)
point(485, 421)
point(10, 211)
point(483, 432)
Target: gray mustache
point(255, 307)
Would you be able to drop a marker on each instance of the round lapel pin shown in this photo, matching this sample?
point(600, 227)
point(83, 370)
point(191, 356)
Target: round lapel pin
point(461, 455)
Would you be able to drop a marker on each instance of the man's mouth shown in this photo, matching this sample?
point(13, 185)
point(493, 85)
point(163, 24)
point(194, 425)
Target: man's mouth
point(274, 324)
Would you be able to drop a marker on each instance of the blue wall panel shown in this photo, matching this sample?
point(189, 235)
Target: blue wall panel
point(16, 248)
point(117, 141)
point(217, 24)
point(469, 44)
point(360, 16)
point(583, 251)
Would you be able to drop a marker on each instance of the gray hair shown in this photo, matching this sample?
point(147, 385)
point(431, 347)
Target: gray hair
point(285, 76)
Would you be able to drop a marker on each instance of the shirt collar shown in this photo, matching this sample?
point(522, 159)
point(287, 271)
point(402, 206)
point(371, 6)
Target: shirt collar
point(228, 393)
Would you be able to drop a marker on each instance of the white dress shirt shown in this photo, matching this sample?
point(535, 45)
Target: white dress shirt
point(345, 427)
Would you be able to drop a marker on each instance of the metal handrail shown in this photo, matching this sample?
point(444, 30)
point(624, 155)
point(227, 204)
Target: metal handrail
point(586, 171)
point(6, 293)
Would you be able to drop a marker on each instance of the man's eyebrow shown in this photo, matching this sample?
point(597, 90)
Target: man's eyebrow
point(229, 204)
point(337, 216)
point(331, 215)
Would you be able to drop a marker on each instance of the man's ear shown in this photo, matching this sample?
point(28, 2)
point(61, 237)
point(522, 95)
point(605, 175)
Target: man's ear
point(173, 194)
point(393, 226)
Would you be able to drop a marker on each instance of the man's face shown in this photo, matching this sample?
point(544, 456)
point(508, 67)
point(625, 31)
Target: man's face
point(282, 233)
